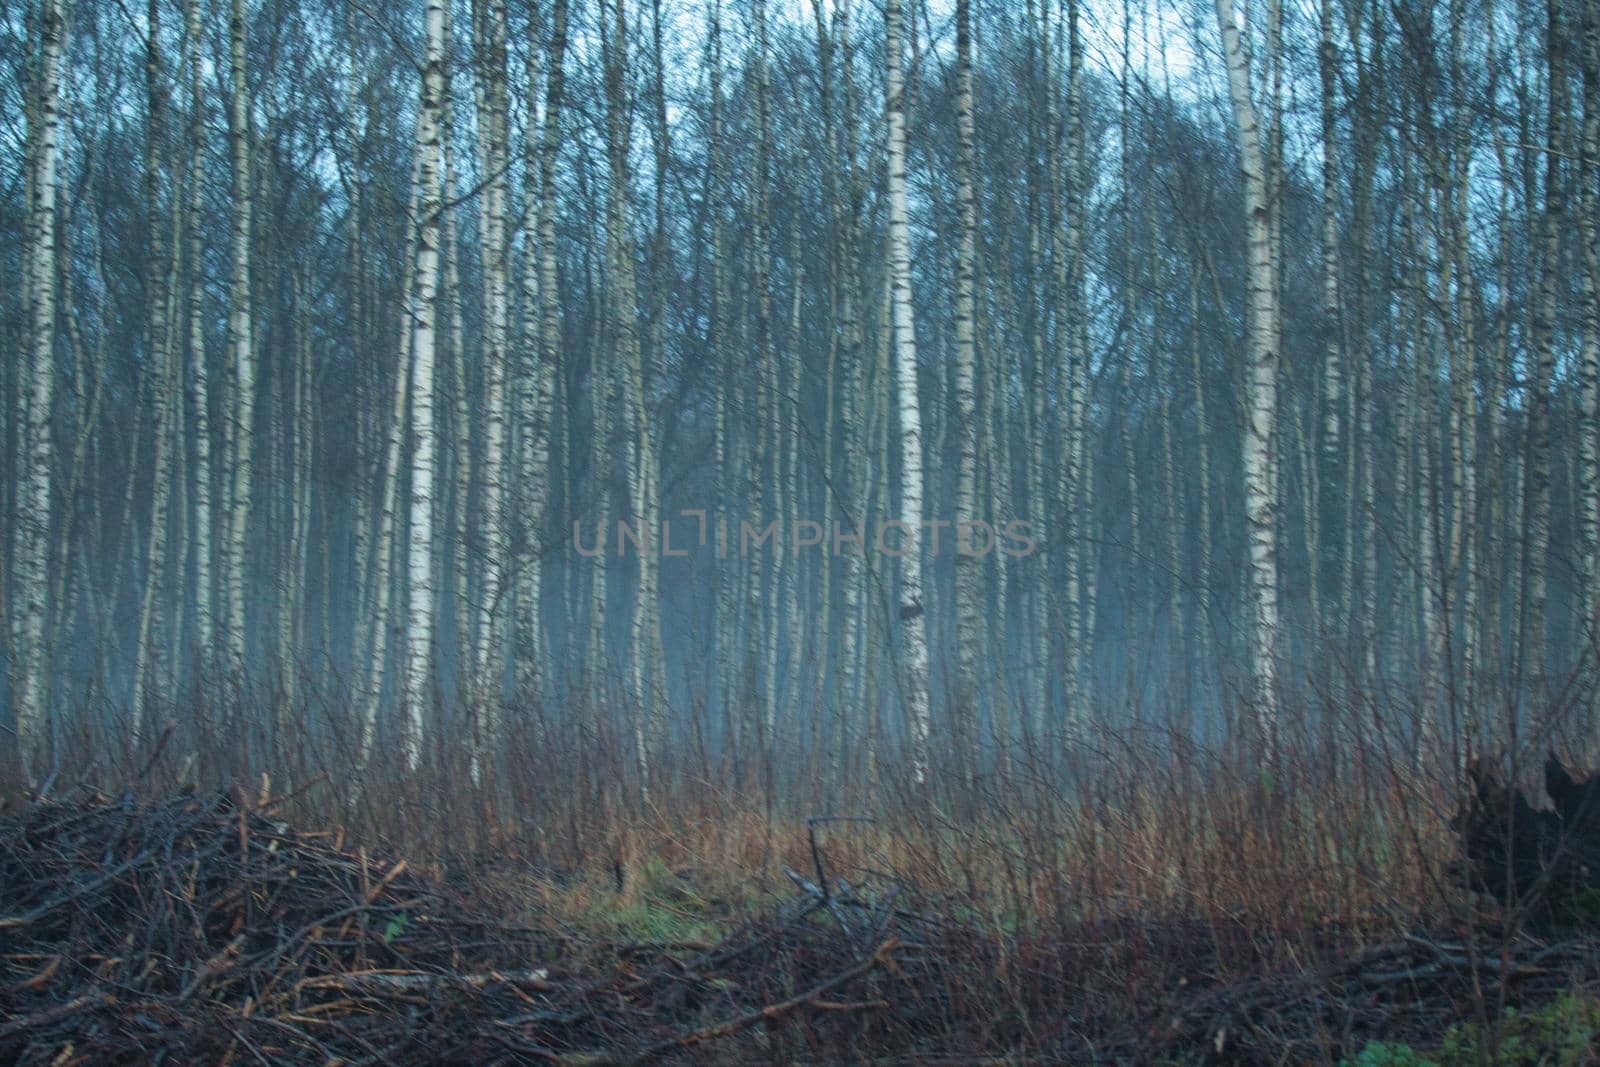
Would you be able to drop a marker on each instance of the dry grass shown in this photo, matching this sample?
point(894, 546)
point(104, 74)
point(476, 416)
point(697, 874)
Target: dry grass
point(1164, 830)
point(1118, 887)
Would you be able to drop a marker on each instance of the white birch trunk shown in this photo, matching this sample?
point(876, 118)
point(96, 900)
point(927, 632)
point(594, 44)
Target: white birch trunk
point(914, 661)
point(198, 378)
point(32, 568)
point(1078, 490)
point(375, 641)
point(549, 338)
point(492, 118)
point(1544, 344)
point(1323, 559)
point(644, 623)
point(240, 341)
point(853, 438)
point(160, 280)
point(969, 569)
point(461, 617)
point(420, 577)
point(166, 408)
point(1262, 381)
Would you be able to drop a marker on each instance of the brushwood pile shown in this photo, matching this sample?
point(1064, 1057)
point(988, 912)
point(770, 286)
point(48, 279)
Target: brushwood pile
point(197, 928)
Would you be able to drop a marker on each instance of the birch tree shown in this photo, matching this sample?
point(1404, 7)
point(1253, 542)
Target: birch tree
point(421, 314)
point(1535, 632)
point(644, 640)
point(30, 685)
point(489, 29)
point(548, 310)
point(968, 570)
point(1589, 203)
point(914, 642)
point(240, 341)
point(1078, 488)
point(1331, 325)
point(161, 285)
point(1261, 389)
point(198, 378)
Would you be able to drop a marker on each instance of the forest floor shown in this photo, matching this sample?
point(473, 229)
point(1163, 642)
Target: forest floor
point(195, 928)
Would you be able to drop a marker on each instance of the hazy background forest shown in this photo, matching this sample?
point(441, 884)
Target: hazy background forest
point(420, 385)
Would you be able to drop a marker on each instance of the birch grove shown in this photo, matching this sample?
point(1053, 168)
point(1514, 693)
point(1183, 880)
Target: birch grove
point(735, 390)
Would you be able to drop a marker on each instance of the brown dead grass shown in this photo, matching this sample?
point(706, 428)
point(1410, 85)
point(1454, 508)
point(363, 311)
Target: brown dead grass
point(1121, 829)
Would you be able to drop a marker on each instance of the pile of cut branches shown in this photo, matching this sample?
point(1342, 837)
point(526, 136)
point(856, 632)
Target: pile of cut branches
point(1408, 991)
point(196, 929)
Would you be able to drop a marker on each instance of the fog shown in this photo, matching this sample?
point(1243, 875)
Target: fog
point(658, 376)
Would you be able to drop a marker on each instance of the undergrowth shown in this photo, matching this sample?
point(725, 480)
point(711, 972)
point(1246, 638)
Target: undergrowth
point(1564, 1033)
point(1191, 865)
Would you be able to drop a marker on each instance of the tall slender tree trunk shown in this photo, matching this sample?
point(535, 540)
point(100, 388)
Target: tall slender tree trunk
point(1205, 575)
point(374, 640)
point(420, 585)
point(644, 626)
point(1463, 348)
point(995, 452)
point(240, 349)
point(369, 420)
point(1133, 554)
point(654, 449)
point(1078, 494)
point(299, 421)
point(1589, 366)
point(159, 282)
point(1544, 343)
point(1360, 516)
point(1043, 166)
point(461, 618)
point(30, 684)
point(530, 408)
point(725, 607)
point(1262, 381)
point(767, 437)
point(854, 439)
point(489, 24)
point(1325, 557)
point(199, 391)
point(548, 355)
point(969, 573)
point(820, 639)
point(911, 621)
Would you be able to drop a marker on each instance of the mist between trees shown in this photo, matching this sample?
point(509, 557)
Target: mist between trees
point(336, 329)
